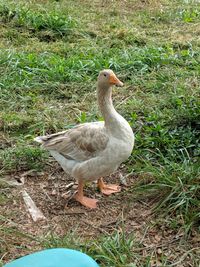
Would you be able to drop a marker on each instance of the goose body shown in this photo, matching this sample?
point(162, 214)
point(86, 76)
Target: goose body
point(90, 151)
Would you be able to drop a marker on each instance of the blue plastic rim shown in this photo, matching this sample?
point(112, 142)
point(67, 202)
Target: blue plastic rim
point(57, 257)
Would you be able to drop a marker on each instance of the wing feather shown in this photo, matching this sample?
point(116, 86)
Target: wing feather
point(79, 143)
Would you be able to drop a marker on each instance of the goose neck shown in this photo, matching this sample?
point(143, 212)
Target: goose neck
point(106, 105)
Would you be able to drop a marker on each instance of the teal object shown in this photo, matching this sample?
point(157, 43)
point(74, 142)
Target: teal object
point(57, 257)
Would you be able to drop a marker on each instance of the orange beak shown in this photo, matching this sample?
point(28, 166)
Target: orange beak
point(114, 80)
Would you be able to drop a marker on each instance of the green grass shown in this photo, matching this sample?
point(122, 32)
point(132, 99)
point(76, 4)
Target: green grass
point(21, 17)
point(118, 249)
point(50, 55)
point(22, 158)
point(177, 184)
point(113, 251)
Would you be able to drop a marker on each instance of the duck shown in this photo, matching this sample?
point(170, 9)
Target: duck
point(90, 151)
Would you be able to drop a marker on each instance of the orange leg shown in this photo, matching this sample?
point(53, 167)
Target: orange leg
point(85, 201)
point(108, 189)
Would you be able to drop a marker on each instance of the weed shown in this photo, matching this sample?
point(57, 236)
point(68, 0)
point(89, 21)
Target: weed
point(13, 234)
point(177, 183)
point(22, 17)
point(113, 251)
point(68, 241)
point(22, 158)
point(187, 14)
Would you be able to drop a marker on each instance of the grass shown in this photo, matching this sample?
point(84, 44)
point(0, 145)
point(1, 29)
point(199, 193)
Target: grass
point(33, 21)
point(50, 55)
point(177, 184)
point(21, 157)
point(113, 251)
point(118, 249)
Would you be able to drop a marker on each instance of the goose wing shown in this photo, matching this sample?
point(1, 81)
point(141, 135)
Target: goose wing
point(79, 143)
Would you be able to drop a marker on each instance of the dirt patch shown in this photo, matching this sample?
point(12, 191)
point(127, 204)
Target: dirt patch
point(50, 193)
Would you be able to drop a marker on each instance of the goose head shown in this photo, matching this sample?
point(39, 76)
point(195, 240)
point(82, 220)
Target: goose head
point(107, 78)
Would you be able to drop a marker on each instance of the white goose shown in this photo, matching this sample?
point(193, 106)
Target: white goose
point(92, 150)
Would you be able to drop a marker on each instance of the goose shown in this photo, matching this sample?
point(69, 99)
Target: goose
point(91, 151)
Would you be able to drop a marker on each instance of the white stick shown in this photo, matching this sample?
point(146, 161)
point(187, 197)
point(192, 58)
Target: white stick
point(34, 211)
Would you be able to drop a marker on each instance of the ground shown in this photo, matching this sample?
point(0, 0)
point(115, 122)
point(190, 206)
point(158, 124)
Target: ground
point(50, 56)
point(65, 216)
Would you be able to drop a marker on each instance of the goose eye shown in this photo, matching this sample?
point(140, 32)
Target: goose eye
point(105, 75)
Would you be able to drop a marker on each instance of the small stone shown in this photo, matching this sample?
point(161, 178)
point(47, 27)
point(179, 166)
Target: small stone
point(157, 238)
point(159, 251)
point(53, 193)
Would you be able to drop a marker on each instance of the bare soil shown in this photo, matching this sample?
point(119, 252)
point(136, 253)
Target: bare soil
point(64, 215)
